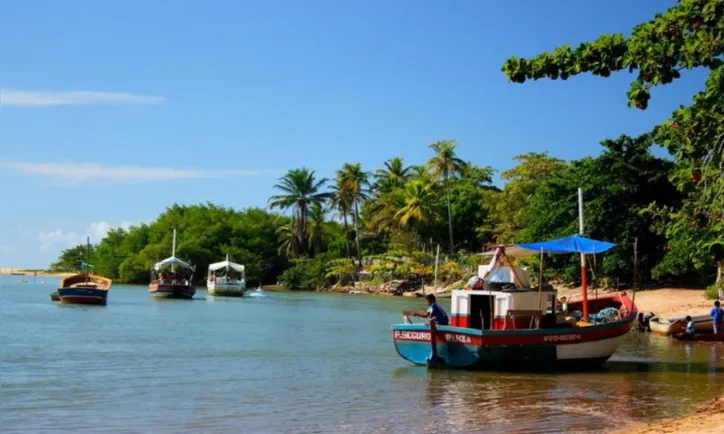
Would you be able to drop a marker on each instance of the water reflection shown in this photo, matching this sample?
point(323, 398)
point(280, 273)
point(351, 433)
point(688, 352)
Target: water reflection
point(653, 385)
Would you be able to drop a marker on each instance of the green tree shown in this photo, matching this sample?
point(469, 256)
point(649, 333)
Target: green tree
point(316, 234)
point(446, 165)
point(418, 206)
point(394, 175)
point(687, 36)
point(356, 181)
point(511, 207)
point(301, 189)
point(341, 200)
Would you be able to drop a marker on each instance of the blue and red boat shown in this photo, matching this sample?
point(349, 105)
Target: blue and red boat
point(506, 324)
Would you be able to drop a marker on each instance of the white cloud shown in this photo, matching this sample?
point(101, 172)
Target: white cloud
point(4, 249)
point(30, 98)
point(59, 239)
point(81, 172)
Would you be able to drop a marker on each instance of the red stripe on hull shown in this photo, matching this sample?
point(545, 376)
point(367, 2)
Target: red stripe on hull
point(171, 291)
point(521, 337)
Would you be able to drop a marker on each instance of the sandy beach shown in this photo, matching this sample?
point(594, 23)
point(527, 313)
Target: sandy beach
point(664, 302)
point(708, 418)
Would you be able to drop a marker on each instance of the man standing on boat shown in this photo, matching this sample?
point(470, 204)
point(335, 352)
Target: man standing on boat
point(717, 315)
point(434, 311)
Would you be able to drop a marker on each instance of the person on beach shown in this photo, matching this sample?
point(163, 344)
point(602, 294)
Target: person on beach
point(690, 326)
point(717, 314)
point(434, 311)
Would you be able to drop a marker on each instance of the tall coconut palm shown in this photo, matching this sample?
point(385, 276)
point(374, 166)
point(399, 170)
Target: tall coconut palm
point(315, 229)
point(357, 182)
point(301, 190)
point(288, 241)
point(446, 165)
point(393, 175)
point(417, 211)
point(341, 200)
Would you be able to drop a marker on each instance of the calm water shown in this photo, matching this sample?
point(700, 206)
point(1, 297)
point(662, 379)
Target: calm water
point(293, 362)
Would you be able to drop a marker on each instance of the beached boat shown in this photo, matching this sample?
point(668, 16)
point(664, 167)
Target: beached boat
point(510, 325)
point(172, 277)
point(700, 337)
point(229, 284)
point(84, 287)
point(670, 326)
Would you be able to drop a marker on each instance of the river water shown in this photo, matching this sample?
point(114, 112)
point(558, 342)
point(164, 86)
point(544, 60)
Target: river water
point(299, 362)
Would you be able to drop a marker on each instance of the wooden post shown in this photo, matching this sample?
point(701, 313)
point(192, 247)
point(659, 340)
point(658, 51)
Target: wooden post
point(584, 276)
point(437, 258)
point(636, 264)
point(540, 282)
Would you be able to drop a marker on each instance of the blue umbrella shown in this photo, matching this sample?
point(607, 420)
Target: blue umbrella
point(571, 244)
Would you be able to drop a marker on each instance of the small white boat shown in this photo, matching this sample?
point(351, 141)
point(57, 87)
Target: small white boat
point(230, 283)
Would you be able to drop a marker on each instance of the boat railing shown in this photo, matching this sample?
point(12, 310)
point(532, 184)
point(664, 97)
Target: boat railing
point(535, 317)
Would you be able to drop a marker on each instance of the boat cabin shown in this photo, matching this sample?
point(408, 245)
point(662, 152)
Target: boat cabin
point(501, 298)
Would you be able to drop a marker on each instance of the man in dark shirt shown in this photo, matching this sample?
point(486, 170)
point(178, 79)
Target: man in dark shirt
point(434, 311)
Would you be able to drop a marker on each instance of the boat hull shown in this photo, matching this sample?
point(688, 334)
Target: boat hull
point(226, 290)
point(539, 349)
point(700, 337)
point(183, 292)
point(54, 296)
point(83, 296)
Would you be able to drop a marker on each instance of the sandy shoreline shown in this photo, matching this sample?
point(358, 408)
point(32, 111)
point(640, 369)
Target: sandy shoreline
point(664, 302)
point(31, 273)
point(707, 418)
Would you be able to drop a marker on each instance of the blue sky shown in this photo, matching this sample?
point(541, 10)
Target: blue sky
point(112, 111)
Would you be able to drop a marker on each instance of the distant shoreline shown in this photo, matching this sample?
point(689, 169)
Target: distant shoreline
point(31, 273)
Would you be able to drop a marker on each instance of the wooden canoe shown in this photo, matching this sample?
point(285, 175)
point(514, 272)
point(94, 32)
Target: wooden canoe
point(670, 326)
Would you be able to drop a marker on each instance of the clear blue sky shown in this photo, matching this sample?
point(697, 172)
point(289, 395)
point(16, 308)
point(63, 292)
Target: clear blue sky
point(178, 91)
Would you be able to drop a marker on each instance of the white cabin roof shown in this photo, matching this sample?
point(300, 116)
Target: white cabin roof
point(172, 261)
point(226, 264)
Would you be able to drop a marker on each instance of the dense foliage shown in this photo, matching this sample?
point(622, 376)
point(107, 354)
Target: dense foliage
point(689, 35)
point(388, 224)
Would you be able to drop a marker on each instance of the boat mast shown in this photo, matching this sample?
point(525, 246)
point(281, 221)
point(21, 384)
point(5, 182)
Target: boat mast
point(87, 257)
point(584, 283)
point(173, 250)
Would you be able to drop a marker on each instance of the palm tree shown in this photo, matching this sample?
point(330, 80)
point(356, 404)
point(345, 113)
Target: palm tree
point(341, 200)
point(445, 164)
point(353, 178)
point(315, 229)
point(393, 175)
point(301, 191)
point(288, 241)
point(417, 210)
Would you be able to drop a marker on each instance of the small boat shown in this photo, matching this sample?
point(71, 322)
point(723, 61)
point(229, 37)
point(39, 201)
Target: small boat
point(516, 327)
point(54, 296)
point(700, 337)
point(172, 277)
point(226, 284)
point(670, 326)
point(84, 287)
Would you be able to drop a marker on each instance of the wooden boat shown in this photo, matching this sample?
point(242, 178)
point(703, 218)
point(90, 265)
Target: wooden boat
point(669, 326)
point(700, 337)
point(54, 296)
point(84, 287)
point(226, 284)
point(172, 277)
point(519, 328)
